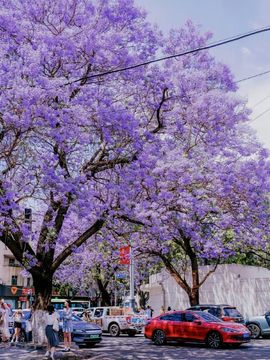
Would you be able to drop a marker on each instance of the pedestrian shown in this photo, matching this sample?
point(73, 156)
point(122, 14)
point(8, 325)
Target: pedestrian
point(148, 312)
point(169, 308)
point(28, 325)
point(4, 314)
point(67, 325)
point(18, 318)
point(51, 331)
point(162, 310)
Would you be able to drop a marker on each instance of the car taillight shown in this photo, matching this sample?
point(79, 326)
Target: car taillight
point(227, 318)
point(128, 319)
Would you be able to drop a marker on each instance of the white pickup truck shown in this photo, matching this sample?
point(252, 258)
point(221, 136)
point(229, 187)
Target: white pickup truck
point(116, 320)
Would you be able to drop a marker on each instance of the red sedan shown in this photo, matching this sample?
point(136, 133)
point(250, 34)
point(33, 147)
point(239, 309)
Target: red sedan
point(195, 326)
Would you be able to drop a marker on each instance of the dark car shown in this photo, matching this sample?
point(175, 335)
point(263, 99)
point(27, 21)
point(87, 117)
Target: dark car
point(195, 326)
point(259, 325)
point(84, 333)
point(222, 311)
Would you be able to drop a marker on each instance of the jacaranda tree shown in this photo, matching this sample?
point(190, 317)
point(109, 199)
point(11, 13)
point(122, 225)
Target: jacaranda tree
point(201, 193)
point(63, 134)
point(84, 152)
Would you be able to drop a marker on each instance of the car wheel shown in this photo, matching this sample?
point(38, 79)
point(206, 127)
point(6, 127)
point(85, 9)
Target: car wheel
point(114, 330)
point(214, 340)
point(255, 331)
point(159, 337)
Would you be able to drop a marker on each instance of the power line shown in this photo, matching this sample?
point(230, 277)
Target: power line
point(191, 51)
point(252, 76)
point(261, 101)
point(261, 114)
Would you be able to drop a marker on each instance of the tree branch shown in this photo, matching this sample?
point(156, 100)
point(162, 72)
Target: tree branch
point(159, 120)
point(209, 273)
point(76, 243)
point(17, 247)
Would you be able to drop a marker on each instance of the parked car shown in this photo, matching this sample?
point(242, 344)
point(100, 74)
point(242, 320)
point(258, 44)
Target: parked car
point(84, 333)
point(195, 326)
point(114, 320)
point(222, 311)
point(259, 325)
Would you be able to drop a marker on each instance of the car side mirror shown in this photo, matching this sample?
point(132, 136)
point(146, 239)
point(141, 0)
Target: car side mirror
point(198, 322)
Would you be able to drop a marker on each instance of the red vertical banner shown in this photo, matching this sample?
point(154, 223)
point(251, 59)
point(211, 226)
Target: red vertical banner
point(125, 255)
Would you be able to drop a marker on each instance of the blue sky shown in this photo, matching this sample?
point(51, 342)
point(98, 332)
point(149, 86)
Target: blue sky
point(226, 18)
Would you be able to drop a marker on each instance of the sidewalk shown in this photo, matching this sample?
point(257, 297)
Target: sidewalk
point(30, 352)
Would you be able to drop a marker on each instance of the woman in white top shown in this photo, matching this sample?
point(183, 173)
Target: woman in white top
point(4, 313)
point(52, 328)
point(18, 317)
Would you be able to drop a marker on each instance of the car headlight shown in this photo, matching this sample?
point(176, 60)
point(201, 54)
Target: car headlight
point(230, 330)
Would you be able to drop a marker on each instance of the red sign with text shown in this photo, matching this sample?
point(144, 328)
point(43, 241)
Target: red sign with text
point(28, 291)
point(125, 255)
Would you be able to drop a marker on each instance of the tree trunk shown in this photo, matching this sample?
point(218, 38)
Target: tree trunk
point(105, 296)
point(194, 296)
point(43, 292)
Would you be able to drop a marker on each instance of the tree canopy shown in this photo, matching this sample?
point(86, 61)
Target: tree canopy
point(164, 147)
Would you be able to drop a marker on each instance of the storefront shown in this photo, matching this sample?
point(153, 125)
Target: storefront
point(17, 296)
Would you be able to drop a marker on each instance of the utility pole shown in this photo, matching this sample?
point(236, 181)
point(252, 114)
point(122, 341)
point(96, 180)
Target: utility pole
point(131, 278)
point(115, 291)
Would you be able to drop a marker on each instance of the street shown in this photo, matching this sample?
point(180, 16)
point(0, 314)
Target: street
point(139, 348)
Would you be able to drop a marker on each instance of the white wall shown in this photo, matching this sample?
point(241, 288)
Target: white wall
point(7, 271)
point(246, 287)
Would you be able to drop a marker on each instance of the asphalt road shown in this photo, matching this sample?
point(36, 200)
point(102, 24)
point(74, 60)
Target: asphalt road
point(138, 348)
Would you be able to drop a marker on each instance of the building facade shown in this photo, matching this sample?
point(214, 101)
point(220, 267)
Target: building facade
point(246, 287)
point(15, 288)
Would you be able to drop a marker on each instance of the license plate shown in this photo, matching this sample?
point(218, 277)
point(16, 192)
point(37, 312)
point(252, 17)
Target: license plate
point(246, 336)
point(94, 336)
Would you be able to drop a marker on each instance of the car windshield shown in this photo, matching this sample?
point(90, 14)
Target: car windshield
point(232, 312)
point(208, 317)
point(76, 318)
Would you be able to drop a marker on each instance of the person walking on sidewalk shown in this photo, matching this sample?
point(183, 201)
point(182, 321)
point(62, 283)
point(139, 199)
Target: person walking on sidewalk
point(148, 312)
point(67, 325)
point(51, 331)
point(18, 318)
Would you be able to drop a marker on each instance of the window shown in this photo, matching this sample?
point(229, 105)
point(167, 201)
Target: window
point(231, 312)
point(11, 262)
point(98, 313)
point(14, 280)
point(189, 317)
point(215, 311)
point(172, 317)
point(177, 317)
point(208, 317)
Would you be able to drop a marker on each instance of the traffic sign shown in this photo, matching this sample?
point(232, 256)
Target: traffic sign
point(120, 275)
